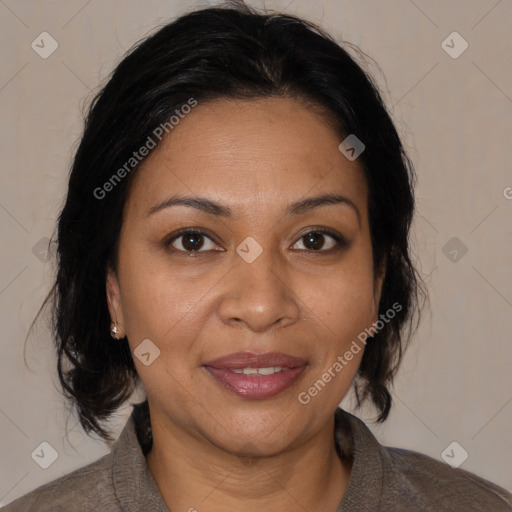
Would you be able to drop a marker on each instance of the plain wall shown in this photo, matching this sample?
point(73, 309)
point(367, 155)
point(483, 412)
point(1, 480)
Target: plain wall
point(455, 117)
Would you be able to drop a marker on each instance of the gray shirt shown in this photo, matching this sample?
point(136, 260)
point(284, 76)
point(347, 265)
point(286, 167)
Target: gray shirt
point(382, 479)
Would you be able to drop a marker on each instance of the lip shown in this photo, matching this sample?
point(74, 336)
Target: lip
point(239, 360)
point(257, 387)
point(261, 387)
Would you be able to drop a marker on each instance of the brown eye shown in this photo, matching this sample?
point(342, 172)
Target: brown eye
point(315, 241)
point(191, 241)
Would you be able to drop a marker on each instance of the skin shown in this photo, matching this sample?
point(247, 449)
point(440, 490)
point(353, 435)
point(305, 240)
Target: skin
point(213, 450)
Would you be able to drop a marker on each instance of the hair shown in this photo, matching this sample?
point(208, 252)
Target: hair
point(231, 51)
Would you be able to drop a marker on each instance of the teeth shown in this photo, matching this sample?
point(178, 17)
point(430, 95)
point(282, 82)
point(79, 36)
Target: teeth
point(258, 371)
point(270, 370)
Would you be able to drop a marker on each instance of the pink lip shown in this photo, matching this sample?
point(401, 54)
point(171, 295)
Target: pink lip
point(263, 386)
point(252, 360)
point(257, 387)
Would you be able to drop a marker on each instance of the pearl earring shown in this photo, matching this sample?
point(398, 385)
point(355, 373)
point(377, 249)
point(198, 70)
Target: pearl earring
point(114, 330)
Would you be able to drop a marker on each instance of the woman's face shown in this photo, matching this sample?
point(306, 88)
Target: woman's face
point(252, 281)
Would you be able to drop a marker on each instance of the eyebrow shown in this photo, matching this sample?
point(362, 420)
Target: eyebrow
point(212, 208)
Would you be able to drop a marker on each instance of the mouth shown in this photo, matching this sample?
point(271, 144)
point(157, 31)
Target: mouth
point(256, 376)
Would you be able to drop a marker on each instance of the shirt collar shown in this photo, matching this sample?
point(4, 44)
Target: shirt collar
point(134, 484)
point(365, 486)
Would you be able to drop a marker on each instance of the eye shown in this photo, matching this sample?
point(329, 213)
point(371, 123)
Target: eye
point(315, 240)
point(190, 241)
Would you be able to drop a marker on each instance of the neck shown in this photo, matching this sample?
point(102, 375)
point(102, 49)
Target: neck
point(193, 474)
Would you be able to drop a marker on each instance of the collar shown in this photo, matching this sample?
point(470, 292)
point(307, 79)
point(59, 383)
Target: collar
point(366, 483)
point(134, 485)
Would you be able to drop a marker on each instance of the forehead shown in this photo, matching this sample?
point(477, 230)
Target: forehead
point(244, 152)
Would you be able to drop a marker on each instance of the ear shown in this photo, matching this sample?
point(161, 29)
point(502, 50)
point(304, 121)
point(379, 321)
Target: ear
point(380, 275)
point(114, 299)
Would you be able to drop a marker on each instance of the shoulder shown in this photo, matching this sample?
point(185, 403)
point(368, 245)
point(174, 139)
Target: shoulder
point(116, 482)
point(432, 482)
point(389, 478)
point(82, 489)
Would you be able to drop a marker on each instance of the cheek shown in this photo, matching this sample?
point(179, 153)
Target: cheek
point(158, 301)
point(162, 310)
point(344, 300)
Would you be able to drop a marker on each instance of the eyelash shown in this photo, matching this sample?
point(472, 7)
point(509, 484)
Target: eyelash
point(339, 239)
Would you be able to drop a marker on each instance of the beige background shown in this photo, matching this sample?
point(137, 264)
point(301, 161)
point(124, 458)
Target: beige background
point(456, 118)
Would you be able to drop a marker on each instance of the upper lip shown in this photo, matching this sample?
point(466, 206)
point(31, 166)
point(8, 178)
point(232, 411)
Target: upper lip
point(251, 360)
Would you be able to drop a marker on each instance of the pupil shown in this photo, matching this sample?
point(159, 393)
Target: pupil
point(315, 237)
point(191, 242)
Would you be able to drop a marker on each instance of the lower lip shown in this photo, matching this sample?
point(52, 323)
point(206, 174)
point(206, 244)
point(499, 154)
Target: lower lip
point(264, 386)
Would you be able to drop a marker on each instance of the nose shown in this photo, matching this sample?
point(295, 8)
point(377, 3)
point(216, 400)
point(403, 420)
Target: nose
point(259, 296)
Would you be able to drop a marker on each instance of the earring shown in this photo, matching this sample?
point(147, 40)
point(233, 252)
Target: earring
point(114, 330)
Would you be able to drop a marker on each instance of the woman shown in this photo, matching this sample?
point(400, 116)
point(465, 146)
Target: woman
point(237, 221)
